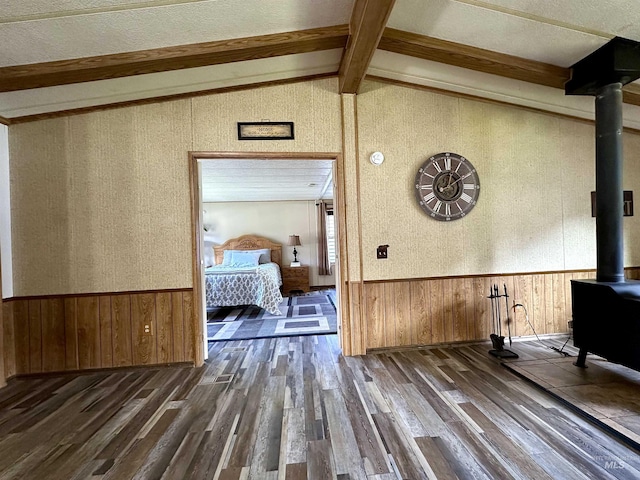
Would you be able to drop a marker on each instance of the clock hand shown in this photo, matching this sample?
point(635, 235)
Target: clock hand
point(461, 178)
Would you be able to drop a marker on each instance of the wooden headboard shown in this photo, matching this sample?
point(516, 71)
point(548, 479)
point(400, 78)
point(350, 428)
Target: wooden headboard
point(249, 242)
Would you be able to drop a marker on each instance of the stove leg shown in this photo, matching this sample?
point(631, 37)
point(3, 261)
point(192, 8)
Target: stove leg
point(582, 357)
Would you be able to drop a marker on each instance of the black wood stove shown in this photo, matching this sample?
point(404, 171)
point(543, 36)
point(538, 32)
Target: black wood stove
point(606, 311)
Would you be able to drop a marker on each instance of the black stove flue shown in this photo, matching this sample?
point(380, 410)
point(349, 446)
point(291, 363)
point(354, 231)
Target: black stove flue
point(606, 311)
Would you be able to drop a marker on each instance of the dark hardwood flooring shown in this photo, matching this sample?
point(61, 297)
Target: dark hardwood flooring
point(294, 408)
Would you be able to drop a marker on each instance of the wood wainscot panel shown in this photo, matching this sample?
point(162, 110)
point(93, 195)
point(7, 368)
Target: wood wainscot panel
point(121, 330)
point(53, 335)
point(143, 323)
point(420, 312)
point(88, 332)
point(402, 303)
point(72, 361)
point(189, 327)
point(164, 328)
point(21, 329)
point(177, 327)
point(35, 335)
point(8, 340)
point(429, 311)
point(374, 315)
point(102, 330)
point(106, 332)
point(436, 301)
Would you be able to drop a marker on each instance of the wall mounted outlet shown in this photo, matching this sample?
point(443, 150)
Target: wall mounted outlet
point(382, 251)
point(147, 329)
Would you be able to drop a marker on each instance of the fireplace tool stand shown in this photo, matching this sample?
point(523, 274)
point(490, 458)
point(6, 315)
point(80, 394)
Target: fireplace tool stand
point(497, 340)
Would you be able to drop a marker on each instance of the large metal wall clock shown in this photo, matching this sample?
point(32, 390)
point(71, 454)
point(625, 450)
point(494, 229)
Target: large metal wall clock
point(447, 186)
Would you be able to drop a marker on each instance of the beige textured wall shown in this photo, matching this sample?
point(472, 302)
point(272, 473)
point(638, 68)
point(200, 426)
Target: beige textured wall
point(536, 172)
point(100, 201)
point(314, 107)
point(351, 175)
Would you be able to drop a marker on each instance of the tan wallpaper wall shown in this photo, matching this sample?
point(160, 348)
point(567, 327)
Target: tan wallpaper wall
point(351, 172)
point(536, 172)
point(100, 201)
point(314, 107)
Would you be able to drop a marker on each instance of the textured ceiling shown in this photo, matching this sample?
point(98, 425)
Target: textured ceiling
point(43, 31)
point(518, 32)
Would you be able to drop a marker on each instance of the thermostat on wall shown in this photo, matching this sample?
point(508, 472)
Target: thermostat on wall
point(376, 158)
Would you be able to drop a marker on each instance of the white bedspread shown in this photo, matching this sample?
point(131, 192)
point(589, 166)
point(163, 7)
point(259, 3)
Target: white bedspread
point(228, 286)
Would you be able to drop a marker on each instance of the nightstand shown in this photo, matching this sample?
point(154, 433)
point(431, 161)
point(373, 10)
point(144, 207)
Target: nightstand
point(295, 278)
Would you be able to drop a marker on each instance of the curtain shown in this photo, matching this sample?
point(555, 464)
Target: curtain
point(324, 267)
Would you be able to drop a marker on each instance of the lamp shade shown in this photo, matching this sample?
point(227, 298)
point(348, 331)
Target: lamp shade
point(294, 240)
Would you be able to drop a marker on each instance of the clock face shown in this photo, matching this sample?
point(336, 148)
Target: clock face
point(447, 186)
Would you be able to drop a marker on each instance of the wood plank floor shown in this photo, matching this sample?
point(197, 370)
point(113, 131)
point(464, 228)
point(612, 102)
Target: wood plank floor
point(294, 408)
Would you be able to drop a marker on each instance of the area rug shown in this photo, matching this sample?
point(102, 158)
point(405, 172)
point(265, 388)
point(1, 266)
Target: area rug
point(310, 314)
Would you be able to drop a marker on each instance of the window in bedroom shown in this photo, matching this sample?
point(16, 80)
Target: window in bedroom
point(331, 237)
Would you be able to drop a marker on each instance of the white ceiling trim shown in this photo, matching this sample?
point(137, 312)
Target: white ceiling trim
point(103, 92)
point(455, 79)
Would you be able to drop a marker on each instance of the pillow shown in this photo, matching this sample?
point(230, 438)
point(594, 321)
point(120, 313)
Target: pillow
point(265, 255)
point(227, 257)
point(245, 258)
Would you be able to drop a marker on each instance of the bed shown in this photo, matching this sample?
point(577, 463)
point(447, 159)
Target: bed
point(236, 280)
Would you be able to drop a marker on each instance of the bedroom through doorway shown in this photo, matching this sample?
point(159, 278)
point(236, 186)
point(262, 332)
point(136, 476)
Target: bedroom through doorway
point(268, 252)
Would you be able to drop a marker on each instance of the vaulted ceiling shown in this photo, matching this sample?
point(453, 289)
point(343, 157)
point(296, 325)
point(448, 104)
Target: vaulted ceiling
point(73, 54)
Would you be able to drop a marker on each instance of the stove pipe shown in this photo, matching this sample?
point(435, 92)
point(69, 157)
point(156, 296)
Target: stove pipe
point(603, 73)
point(609, 196)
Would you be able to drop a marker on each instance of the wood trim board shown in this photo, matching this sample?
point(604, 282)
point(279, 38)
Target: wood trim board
point(64, 72)
point(196, 224)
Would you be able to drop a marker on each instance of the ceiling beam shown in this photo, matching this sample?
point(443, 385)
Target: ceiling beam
point(368, 21)
point(631, 94)
point(486, 61)
point(473, 58)
point(63, 72)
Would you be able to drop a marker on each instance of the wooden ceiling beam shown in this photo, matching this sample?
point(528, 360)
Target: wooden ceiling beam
point(367, 24)
point(63, 72)
point(486, 61)
point(631, 94)
point(473, 58)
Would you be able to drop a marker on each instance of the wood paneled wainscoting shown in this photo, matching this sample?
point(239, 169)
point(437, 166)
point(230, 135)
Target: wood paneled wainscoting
point(456, 309)
point(102, 330)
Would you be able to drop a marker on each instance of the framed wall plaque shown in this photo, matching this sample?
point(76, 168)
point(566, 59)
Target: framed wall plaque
point(265, 131)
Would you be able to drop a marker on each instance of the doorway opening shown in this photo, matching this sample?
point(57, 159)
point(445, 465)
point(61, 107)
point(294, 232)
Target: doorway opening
point(261, 222)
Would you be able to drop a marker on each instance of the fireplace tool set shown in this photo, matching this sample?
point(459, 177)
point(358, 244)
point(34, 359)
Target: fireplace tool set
point(497, 340)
